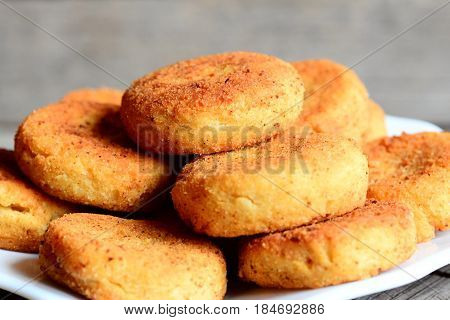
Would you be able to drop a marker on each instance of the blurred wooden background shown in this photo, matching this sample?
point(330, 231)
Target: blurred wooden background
point(410, 77)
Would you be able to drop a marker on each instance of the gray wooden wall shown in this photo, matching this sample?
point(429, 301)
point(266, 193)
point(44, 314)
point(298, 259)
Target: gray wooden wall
point(410, 77)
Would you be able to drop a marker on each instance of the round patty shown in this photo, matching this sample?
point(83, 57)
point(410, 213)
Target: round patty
point(25, 211)
point(281, 184)
point(212, 103)
point(414, 169)
point(335, 99)
point(77, 151)
point(104, 257)
point(355, 246)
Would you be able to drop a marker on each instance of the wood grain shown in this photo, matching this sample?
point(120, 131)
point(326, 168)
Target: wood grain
point(410, 77)
point(434, 286)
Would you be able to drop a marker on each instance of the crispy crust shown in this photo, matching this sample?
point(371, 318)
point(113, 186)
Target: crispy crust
point(355, 246)
point(212, 103)
point(25, 212)
point(335, 99)
point(77, 151)
point(104, 257)
point(281, 184)
point(100, 95)
point(377, 124)
point(415, 170)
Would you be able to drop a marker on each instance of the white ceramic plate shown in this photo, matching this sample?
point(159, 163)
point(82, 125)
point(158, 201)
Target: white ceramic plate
point(19, 272)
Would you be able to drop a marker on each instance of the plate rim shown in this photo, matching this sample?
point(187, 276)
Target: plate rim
point(356, 289)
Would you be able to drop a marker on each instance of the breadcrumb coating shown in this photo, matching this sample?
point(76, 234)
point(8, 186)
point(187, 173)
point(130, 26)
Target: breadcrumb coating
point(77, 150)
point(357, 245)
point(212, 103)
point(104, 257)
point(25, 211)
point(278, 185)
point(336, 100)
point(414, 169)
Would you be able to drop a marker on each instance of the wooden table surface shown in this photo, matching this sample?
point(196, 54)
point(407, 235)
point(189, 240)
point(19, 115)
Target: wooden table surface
point(50, 47)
